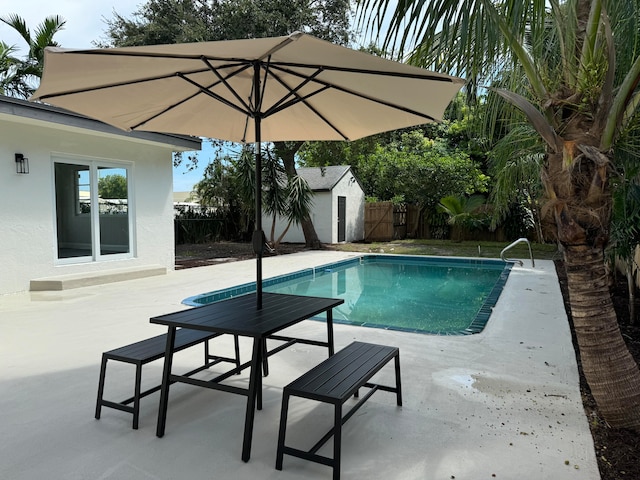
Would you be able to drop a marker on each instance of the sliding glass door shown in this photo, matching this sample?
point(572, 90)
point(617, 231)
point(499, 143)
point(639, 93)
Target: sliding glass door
point(93, 210)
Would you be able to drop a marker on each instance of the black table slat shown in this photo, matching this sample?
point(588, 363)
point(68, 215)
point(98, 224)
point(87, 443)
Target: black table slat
point(239, 315)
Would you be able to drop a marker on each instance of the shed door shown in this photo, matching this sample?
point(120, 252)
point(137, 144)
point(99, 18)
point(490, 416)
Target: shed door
point(342, 213)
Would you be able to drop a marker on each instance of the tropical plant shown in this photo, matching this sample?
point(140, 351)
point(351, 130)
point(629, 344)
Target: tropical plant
point(25, 74)
point(12, 83)
point(227, 187)
point(289, 197)
point(574, 68)
point(515, 162)
point(463, 213)
point(625, 225)
point(297, 207)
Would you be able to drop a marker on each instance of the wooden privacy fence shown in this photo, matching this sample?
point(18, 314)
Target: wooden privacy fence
point(384, 221)
point(378, 222)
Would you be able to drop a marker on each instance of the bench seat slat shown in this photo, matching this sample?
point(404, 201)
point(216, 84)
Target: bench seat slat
point(153, 348)
point(338, 377)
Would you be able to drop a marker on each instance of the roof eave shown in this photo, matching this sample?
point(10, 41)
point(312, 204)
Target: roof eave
point(60, 116)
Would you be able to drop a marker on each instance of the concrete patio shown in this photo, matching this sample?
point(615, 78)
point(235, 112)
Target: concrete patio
point(502, 404)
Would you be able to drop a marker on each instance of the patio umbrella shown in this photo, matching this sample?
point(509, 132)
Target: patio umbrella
point(295, 87)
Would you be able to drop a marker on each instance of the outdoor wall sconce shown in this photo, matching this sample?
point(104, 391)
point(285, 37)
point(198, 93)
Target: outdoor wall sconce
point(22, 163)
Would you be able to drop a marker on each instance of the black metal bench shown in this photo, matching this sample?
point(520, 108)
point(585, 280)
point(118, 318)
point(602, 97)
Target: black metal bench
point(145, 351)
point(334, 381)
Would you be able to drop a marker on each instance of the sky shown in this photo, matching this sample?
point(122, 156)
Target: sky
point(86, 24)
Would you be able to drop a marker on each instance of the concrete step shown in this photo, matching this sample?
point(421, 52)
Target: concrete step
point(77, 280)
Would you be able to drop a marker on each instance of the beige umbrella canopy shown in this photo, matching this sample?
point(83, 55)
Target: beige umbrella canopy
point(295, 87)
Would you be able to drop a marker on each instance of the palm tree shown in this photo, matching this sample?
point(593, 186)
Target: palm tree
point(286, 196)
point(26, 71)
point(574, 68)
point(462, 213)
point(289, 197)
point(11, 82)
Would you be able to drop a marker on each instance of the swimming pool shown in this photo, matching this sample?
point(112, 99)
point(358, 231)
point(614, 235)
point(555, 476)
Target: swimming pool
point(444, 296)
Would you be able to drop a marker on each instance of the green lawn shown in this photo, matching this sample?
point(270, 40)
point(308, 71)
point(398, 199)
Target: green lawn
point(454, 249)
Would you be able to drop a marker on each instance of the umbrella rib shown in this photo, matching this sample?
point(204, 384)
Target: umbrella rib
point(201, 89)
point(292, 92)
point(299, 99)
point(226, 84)
point(289, 39)
point(207, 91)
point(115, 85)
point(361, 95)
point(365, 71)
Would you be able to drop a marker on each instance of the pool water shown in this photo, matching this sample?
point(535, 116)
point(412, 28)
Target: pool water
point(417, 294)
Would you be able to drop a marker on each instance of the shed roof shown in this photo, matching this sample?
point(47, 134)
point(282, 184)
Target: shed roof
point(51, 114)
point(323, 178)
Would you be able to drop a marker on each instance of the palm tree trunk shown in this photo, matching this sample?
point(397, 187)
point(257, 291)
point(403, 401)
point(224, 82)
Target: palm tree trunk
point(611, 372)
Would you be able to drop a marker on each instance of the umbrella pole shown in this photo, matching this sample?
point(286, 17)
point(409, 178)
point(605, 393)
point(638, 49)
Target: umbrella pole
point(258, 235)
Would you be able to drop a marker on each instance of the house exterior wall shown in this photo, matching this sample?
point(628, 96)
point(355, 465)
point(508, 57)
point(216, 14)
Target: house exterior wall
point(354, 228)
point(27, 201)
point(321, 216)
point(325, 215)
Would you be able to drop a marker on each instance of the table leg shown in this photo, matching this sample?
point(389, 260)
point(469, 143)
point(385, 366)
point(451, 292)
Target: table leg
point(166, 374)
point(254, 387)
point(330, 331)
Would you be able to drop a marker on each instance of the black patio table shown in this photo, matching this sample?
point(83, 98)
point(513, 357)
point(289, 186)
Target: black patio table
point(239, 316)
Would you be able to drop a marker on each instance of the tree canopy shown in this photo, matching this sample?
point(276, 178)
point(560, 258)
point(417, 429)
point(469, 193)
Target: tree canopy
point(113, 186)
point(179, 21)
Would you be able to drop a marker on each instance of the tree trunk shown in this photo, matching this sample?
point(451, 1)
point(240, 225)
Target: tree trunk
point(576, 181)
point(311, 239)
point(287, 151)
point(611, 372)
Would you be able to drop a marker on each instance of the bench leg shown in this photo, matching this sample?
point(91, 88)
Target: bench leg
point(398, 384)
point(255, 395)
point(265, 359)
point(136, 396)
point(236, 345)
point(166, 375)
point(103, 369)
point(337, 440)
point(282, 431)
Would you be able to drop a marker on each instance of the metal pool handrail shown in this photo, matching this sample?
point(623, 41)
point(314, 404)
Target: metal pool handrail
point(520, 240)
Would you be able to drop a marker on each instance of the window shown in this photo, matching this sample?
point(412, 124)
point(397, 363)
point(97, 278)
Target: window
point(93, 218)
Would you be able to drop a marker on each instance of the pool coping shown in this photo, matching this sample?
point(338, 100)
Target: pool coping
point(476, 326)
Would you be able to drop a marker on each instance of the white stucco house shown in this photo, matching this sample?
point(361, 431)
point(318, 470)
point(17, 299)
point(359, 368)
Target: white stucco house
point(338, 207)
point(60, 221)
